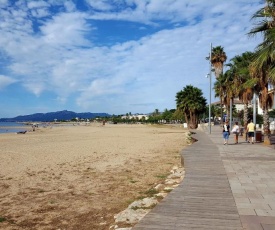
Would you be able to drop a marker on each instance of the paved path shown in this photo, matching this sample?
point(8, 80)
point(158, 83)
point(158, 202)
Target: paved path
point(225, 187)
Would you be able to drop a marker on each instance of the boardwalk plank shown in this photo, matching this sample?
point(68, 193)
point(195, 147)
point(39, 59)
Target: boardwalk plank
point(203, 200)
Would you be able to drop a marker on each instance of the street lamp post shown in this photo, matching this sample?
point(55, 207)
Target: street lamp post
point(254, 112)
point(230, 116)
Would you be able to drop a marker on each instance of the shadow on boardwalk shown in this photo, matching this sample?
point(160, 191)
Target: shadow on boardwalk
point(225, 187)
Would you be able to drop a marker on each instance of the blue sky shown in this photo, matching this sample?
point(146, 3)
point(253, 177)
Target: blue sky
point(113, 56)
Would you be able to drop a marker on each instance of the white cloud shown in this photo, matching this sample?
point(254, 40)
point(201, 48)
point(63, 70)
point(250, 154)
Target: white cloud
point(6, 81)
point(37, 4)
point(66, 29)
point(70, 6)
point(40, 13)
point(36, 87)
point(100, 4)
point(3, 3)
point(174, 11)
point(136, 75)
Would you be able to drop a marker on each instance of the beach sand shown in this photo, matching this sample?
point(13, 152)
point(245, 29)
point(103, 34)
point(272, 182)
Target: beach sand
point(79, 177)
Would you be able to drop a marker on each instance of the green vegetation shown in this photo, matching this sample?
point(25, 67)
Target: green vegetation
point(150, 207)
point(151, 192)
point(156, 117)
point(192, 104)
point(133, 181)
point(250, 72)
point(2, 219)
point(162, 176)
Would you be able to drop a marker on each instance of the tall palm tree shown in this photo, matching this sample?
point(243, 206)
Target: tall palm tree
point(191, 102)
point(224, 88)
point(230, 90)
point(218, 58)
point(263, 66)
point(266, 98)
point(220, 90)
point(156, 112)
point(243, 82)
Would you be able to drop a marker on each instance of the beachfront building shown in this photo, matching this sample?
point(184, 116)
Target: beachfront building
point(260, 111)
point(237, 103)
point(136, 117)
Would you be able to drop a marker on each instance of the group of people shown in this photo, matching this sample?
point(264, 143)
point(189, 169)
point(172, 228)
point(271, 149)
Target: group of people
point(236, 131)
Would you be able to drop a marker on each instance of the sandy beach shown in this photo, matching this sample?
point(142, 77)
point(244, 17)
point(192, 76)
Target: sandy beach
point(79, 177)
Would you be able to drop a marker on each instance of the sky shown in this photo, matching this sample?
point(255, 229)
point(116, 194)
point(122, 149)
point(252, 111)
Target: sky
point(115, 57)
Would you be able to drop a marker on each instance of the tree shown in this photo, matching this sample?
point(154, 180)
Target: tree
point(242, 80)
point(156, 112)
point(218, 57)
point(262, 67)
point(178, 116)
point(230, 90)
point(215, 110)
point(191, 102)
point(167, 115)
point(220, 90)
point(272, 113)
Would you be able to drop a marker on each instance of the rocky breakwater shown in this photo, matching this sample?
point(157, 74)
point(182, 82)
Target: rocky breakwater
point(126, 219)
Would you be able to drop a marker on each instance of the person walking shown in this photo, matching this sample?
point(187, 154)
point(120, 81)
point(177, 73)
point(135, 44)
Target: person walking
point(250, 131)
point(236, 131)
point(226, 132)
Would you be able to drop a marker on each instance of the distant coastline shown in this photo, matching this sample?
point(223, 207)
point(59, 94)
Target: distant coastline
point(52, 116)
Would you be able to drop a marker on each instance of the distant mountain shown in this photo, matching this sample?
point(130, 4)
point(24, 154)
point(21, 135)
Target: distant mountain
point(60, 115)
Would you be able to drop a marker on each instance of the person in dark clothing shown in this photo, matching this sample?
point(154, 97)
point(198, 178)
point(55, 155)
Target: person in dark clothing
point(226, 132)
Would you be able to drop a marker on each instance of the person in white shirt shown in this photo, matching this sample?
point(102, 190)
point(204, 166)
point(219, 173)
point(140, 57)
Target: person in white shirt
point(236, 131)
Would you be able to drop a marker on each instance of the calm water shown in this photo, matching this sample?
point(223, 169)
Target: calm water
point(12, 127)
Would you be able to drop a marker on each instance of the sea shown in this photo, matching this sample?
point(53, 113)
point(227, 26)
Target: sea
point(12, 127)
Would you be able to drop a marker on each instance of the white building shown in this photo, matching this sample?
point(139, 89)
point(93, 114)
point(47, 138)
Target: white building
point(260, 111)
point(237, 103)
point(136, 116)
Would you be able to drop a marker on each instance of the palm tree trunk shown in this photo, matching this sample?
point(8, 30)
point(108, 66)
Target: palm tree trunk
point(195, 121)
point(192, 125)
point(221, 112)
point(227, 113)
point(245, 115)
point(266, 126)
point(186, 120)
point(245, 119)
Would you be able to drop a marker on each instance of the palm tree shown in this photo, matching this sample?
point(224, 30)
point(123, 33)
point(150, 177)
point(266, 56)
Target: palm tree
point(231, 89)
point(220, 90)
point(215, 110)
point(243, 82)
point(156, 112)
point(263, 66)
point(218, 57)
point(266, 98)
point(191, 102)
point(225, 89)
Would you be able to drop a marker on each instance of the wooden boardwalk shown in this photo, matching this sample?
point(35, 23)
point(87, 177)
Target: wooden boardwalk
point(203, 200)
